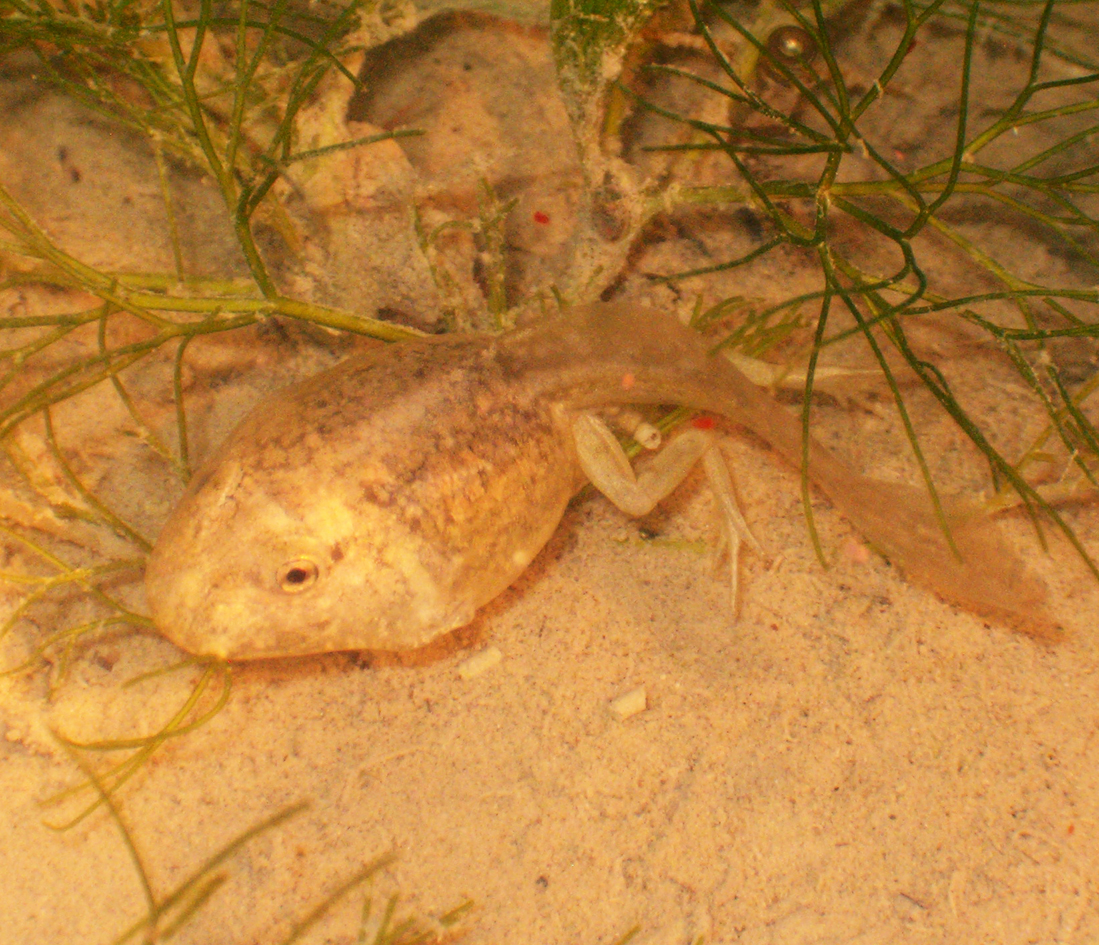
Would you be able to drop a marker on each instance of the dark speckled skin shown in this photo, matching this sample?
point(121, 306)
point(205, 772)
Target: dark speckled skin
point(421, 479)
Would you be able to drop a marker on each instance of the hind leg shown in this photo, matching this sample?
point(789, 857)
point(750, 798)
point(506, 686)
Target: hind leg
point(636, 493)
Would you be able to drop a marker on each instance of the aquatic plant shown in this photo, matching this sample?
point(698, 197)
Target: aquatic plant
point(814, 163)
point(828, 178)
point(168, 913)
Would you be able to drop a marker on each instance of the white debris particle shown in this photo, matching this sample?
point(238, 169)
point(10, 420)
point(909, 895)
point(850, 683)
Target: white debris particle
point(480, 662)
point(630, 703)
point(647, 435)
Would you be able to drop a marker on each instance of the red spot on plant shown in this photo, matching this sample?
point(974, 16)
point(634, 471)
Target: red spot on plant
point(703, 422)
point(628, 381)
point(540, 217)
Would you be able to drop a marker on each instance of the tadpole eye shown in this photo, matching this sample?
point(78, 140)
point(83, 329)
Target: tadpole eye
point(297, 575)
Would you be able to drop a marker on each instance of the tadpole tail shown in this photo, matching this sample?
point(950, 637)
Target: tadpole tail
point(973, 568)
point(637, 355)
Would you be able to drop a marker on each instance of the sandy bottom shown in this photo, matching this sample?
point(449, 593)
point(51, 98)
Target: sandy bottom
point(849, 761)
